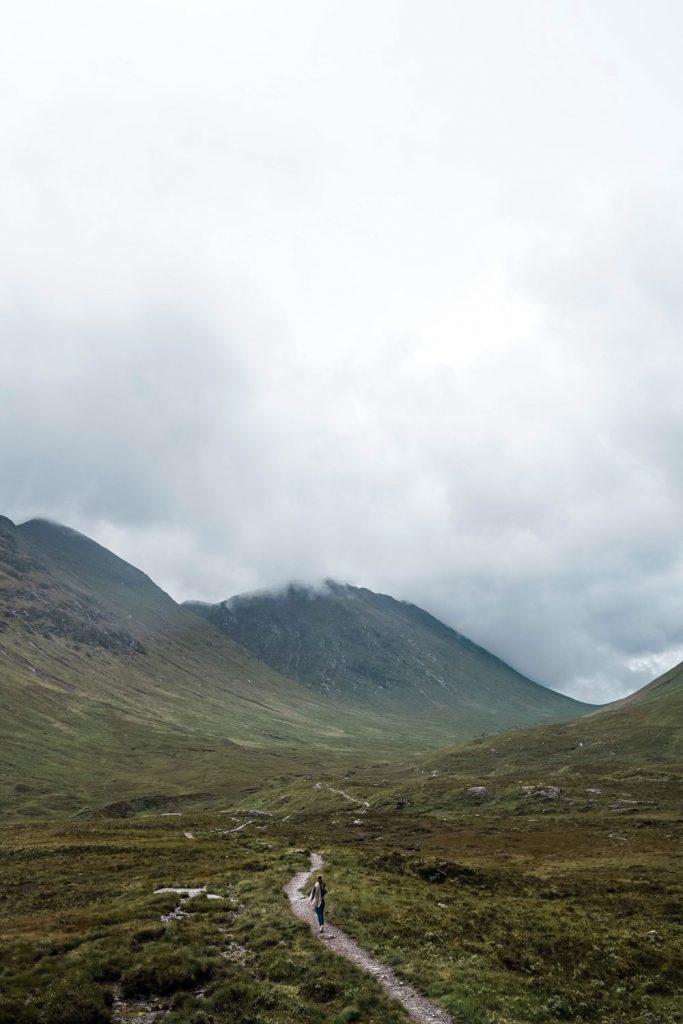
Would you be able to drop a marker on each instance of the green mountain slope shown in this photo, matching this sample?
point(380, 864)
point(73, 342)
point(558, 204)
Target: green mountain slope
point(373, 651)
point(643, 730)
point(111, 692)
point(625, 758)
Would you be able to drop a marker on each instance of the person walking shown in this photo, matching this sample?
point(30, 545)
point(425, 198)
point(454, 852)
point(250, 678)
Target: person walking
point(317, 898)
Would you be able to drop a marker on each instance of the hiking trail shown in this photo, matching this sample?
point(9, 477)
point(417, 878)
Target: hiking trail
point(419, 1008)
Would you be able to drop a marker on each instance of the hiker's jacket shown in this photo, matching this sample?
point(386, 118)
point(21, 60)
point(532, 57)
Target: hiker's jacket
point(317, 896)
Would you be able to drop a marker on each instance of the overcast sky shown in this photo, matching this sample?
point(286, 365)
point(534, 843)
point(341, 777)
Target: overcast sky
point(388, 292)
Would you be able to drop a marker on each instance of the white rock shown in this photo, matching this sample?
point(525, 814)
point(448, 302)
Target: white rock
point(189, 893)
point(478, 791)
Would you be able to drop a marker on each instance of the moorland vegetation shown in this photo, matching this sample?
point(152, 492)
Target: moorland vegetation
point(500, 920)
point(526, 877)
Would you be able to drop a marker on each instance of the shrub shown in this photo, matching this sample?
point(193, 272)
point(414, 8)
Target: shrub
point(15, 1011)
point(284, 968)
point(149, 933)
point(164, 970)
point(348, 1016)
point(320, 989)
point(77, 1002)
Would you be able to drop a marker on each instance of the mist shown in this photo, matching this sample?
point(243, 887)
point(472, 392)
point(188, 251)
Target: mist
point(382, 294)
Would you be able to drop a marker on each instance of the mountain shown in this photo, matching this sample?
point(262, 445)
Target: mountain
point(625, 758)
point(641, 733)
point(369, 650)
point(112, 694)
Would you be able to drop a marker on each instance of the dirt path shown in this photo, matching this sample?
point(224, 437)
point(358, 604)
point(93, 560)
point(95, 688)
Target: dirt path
point(353, 799)
point(419, 1008)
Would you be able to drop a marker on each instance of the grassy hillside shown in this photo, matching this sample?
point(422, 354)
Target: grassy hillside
point(366, 648)
point(554, 895)
point(623, 759)
point(111, 693)
point(632, 752)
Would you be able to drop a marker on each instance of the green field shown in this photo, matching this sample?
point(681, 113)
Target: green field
point(502, 920)
point(556, 896)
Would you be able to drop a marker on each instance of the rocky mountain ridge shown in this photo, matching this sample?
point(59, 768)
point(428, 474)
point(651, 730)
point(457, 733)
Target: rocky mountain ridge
point(359, 646)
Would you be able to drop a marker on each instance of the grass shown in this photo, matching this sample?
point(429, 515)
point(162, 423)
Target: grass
point(518, 921)
point(111, 694)
point(81, 930)
point(502, 920)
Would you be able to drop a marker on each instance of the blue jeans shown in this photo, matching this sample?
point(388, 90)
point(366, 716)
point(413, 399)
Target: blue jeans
point(320, 913)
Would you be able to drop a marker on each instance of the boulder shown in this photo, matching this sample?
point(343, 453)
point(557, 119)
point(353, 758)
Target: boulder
point(481, 792)
point(542, 792)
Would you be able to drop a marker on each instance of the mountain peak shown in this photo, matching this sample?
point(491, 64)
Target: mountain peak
point(360, 646)
point(88, 559)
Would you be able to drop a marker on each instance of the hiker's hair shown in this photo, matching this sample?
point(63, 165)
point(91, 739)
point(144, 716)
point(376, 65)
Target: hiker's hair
point(322, 882)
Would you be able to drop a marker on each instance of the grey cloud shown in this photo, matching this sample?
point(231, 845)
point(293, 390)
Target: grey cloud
point(292, 300)
point(108, 420)
point(517, 506)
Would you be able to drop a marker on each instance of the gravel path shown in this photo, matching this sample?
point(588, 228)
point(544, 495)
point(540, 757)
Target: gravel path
point(419, 1008)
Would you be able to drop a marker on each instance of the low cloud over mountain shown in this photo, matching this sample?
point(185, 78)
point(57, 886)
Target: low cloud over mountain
point(261, 325)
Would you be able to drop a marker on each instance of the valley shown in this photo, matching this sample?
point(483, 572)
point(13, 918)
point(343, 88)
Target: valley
point(115, 697)
point(525, 876)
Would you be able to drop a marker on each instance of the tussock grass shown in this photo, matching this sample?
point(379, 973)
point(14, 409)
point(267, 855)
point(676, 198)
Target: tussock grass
point(81, 930)
point(503, 920)
point(520, 924)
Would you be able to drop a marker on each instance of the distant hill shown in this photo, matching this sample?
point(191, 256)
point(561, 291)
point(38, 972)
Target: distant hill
point(626, 758)
point(642, 731)
point(370, 650)
point(110, 693)
point(113, 696)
